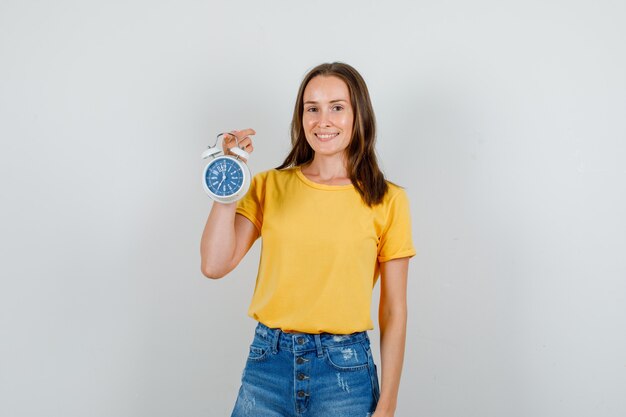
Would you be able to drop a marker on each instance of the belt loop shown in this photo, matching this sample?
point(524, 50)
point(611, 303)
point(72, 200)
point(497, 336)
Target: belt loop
point(275, 339)
point(318, 345)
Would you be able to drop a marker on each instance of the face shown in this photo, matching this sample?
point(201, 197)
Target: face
point(328, 116)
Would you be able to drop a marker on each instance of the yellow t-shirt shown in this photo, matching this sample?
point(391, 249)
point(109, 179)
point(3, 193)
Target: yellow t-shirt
point(321, 248)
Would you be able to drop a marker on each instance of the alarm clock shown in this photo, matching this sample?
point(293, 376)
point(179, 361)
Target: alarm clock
point(226, 178)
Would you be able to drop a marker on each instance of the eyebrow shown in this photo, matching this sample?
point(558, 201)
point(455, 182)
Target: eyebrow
point(331, 101)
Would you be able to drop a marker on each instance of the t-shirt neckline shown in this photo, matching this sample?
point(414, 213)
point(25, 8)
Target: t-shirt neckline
point(318, 185)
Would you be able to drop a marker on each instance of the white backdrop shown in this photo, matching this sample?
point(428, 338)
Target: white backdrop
point(505, 121)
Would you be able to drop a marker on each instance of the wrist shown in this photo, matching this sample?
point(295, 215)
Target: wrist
point(226, 206)
point(386, 406)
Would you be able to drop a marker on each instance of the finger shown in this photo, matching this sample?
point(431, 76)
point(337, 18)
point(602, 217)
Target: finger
point(247, 132)
point(245, 141)
point(243, 144)
point(247, 147)
point(238, 134)
point(228, 138)
point(243, 133)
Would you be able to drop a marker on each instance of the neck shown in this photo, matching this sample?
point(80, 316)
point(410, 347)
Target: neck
point(328, 168)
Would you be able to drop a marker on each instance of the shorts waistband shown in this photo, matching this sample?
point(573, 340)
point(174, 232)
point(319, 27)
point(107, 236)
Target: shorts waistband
point(302, 342)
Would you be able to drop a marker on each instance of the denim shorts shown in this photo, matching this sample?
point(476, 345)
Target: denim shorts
point(312, 375)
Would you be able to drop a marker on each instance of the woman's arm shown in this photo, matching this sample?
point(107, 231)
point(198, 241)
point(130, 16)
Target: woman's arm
point(227, 237)
point(392, 317)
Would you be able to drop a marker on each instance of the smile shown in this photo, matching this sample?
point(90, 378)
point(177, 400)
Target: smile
point(326, 136)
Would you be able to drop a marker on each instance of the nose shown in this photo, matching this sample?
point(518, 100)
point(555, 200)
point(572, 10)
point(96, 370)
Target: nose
point(324, 120)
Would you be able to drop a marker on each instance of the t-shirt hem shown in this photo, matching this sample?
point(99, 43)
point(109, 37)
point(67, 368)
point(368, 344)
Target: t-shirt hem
point(308, 329)
point(250, 217)
point(405, 254)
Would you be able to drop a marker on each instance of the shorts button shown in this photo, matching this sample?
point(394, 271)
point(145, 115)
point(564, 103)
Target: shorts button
point(301, 376)
point(300, 340)
point(299, 361)
point(301, 394)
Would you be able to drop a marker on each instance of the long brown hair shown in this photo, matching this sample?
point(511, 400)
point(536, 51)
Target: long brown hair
point(362, 167)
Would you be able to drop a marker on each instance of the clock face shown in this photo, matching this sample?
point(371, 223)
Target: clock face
point(224, 177)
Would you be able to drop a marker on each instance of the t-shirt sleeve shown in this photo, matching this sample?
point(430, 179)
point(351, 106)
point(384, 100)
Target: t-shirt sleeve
point(396, 240)
point(251, 205)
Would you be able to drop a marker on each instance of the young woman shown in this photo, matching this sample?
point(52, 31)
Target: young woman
point(331, 225)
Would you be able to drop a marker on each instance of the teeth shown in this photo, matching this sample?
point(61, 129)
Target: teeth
point(326, 136)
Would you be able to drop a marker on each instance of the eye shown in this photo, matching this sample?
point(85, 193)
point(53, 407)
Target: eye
point(337, 107)
point(311, 109)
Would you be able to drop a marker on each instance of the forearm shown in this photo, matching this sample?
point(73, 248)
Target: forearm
point(392, 344)
point(218, 240)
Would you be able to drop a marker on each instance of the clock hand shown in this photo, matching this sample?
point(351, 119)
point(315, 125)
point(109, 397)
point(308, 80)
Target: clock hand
point(223, 178)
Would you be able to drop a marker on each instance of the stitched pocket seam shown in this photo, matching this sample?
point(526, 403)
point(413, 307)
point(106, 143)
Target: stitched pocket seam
point(344, 368)
point(260, 351)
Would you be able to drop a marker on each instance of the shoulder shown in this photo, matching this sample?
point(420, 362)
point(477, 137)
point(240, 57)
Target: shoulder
point(395, 200)
point(393, 210)
point(272, 178)
point(394, 194)
point(274, 175)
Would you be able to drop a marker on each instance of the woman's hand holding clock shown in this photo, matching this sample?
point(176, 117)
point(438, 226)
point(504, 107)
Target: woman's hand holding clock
point(226, 180)
point(226, 177)
point(242, 136)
